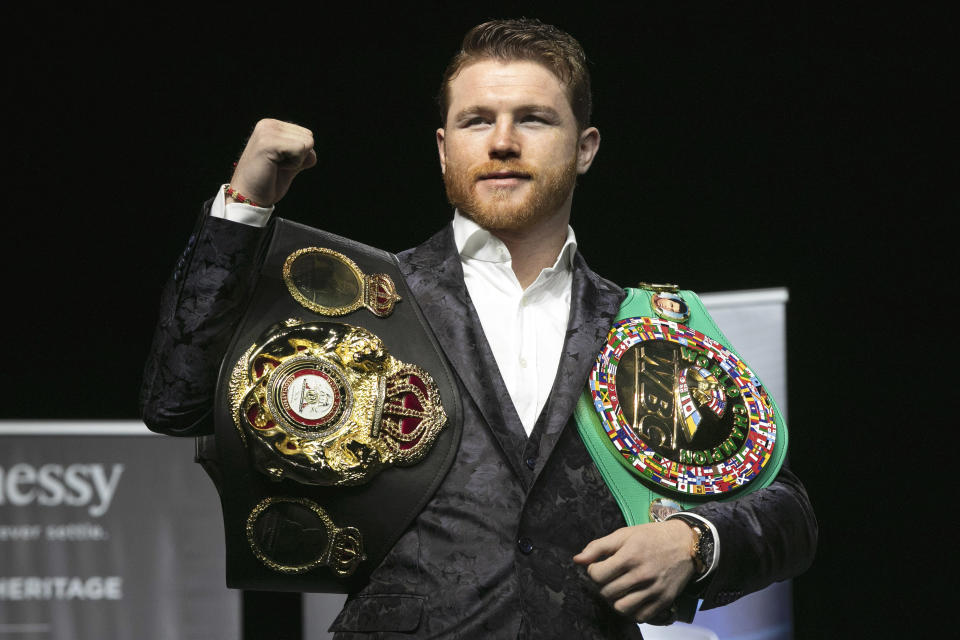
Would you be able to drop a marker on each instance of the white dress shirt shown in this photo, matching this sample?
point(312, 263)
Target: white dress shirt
point(237, 212)
point(525, 328)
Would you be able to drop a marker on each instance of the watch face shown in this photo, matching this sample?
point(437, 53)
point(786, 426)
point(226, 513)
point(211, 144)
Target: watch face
point(706, 547)
point(684, 412)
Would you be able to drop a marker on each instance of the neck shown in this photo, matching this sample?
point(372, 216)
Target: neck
point(535, 248)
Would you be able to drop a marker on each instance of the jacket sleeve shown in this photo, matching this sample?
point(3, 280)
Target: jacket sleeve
point(766, 536)
point(200, 307)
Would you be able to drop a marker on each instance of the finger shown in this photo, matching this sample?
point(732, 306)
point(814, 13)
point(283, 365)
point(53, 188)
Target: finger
point(274, 127)
point(291, 152)
point(290, 158)
point(294, 129)
point(636, 604)
point(283, 142)
point(606, 571)
point(625, 583)
point(653, 608)
point(600, 548)
point(310, 160)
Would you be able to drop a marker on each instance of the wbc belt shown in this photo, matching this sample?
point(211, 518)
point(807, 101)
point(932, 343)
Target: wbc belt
point(336, 416)
point(672, 415)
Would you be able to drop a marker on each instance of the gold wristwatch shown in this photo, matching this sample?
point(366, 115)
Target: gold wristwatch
point(703, 544)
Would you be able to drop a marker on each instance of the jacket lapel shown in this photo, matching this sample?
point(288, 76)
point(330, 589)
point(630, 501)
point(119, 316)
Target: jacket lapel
point(594, 303)
point(434, 274)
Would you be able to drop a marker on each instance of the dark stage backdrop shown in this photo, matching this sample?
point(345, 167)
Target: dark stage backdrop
point(745, 145)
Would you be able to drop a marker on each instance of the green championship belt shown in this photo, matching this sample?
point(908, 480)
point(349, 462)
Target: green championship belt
point(672, 416)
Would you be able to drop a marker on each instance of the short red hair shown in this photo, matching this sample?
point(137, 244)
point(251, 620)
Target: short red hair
point(525, 39)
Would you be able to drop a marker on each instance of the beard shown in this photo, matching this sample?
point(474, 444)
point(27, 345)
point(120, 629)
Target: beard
point(499, 210)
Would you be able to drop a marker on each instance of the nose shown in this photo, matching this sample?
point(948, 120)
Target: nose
point(504, 142)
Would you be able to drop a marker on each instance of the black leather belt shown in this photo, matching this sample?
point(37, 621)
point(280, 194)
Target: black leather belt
point(336, 416)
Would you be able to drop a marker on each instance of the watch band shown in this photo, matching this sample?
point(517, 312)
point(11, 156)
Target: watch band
point(703, 545)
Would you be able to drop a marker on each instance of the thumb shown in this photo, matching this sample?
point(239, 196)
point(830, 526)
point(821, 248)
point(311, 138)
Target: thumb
point(601, 548)
point(296, 161)
point(290, 168)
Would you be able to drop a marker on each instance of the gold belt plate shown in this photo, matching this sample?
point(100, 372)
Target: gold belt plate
point(324, 403)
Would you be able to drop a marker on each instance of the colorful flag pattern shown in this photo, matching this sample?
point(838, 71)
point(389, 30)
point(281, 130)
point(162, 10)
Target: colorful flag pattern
point(735, 467)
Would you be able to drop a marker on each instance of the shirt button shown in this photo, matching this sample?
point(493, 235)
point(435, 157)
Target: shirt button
point(531, 462)
point(526, 545)
point(523, 363)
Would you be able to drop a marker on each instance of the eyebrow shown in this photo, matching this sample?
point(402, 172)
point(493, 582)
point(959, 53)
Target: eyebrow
point(469, 112)
point(525, 109)
point(542, 109)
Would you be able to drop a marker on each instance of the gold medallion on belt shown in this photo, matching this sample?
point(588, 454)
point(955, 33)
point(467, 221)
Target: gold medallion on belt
point(324, 403)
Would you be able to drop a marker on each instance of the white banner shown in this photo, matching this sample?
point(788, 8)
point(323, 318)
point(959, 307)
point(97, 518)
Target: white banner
point(108, 536)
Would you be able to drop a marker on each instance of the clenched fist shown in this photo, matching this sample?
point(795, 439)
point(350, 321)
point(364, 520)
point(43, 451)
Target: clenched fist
point(275, 153)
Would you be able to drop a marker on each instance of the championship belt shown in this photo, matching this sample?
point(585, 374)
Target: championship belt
point(672, 416)
point(336, 416)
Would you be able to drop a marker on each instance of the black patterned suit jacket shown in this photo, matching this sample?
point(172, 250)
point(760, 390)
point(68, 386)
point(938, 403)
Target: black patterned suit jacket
point(490, 556)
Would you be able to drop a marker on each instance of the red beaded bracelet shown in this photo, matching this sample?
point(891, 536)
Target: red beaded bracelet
point(239, 197)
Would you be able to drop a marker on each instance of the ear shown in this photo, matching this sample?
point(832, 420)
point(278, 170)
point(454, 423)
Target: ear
point(441, 150)
point(587, 148)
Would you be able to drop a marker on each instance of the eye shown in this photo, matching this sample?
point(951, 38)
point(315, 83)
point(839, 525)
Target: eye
point(533, 118)
point(475, 121)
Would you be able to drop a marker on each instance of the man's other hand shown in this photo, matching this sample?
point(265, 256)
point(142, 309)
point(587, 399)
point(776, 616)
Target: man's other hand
point(275, 153)
point(641, 569)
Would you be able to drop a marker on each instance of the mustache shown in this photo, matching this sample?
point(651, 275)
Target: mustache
point(502, 166)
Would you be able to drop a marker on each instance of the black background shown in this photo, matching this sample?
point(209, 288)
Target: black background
point(774, 144)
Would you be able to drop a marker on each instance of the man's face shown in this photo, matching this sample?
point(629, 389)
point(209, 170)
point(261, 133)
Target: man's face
point(511, 149)
point(672, 305)
point(667, 304)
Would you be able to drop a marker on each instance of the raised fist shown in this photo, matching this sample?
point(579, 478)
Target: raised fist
point(275, 153)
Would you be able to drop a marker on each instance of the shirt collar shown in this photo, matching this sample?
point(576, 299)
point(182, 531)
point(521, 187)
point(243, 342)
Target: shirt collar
point(476, 243)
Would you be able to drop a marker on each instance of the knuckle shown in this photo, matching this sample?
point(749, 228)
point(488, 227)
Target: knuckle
point(638, 574)
point(266, 124)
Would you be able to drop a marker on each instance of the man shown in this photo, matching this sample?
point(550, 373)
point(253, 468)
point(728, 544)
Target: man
point(523, 538)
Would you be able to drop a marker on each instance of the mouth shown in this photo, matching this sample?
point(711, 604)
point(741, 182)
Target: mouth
point(503, 179)
point(505, 175)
